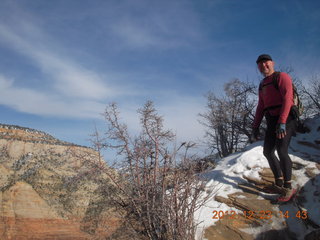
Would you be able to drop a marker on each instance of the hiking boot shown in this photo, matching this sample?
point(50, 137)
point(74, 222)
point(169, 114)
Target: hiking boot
point(287, 195)
point(272, 189)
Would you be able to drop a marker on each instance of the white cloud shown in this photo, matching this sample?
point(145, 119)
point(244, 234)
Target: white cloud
point(78, 92)
point(163, 24)
point(75, 92)
point(44, 104)
point(69, 79)
point(134, 35)
point(72, 80)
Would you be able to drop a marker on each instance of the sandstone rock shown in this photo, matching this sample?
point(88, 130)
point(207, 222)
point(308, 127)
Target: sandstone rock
point(21, 201)
point(226, 231)
point(50, 189)
point(25, 215)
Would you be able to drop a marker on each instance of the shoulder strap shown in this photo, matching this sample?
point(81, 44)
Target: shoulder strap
point(275, 80)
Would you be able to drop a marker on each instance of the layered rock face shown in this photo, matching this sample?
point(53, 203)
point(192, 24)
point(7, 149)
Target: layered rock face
point(50, 189)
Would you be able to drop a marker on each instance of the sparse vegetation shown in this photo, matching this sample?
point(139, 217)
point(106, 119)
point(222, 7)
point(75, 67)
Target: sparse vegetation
point(158, 190)
point(228, 118)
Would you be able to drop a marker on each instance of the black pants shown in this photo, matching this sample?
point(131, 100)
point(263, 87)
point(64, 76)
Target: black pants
point(281, 167)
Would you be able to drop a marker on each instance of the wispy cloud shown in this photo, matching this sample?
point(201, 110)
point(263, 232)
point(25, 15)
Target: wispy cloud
point(78, 92)
point(68, 78)
point(73, 90)
point(45, 104)
point(161, 24)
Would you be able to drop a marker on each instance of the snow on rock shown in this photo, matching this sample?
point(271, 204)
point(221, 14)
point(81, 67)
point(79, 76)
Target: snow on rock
point(235, 169)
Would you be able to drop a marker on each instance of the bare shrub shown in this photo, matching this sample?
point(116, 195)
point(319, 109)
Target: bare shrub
point(228, 118)
point(158, 190)
point(312, 93)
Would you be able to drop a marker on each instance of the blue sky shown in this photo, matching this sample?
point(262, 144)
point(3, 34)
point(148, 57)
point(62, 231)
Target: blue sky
point(63, 61)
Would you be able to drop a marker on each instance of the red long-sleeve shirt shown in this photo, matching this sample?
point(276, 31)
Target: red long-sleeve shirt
point(269, 96)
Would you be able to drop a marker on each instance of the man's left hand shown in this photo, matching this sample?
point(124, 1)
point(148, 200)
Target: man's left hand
point(281, 130)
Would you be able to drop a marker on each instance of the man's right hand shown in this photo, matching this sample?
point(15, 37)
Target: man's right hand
point(254, 135)
point(281, 130)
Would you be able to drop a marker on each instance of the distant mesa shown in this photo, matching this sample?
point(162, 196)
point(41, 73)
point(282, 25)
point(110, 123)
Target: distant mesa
point(14, 132)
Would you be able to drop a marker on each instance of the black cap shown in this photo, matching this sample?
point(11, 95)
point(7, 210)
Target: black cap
point(263, 57)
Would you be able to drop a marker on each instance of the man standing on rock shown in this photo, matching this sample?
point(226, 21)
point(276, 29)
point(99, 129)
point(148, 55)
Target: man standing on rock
point(275, 103)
